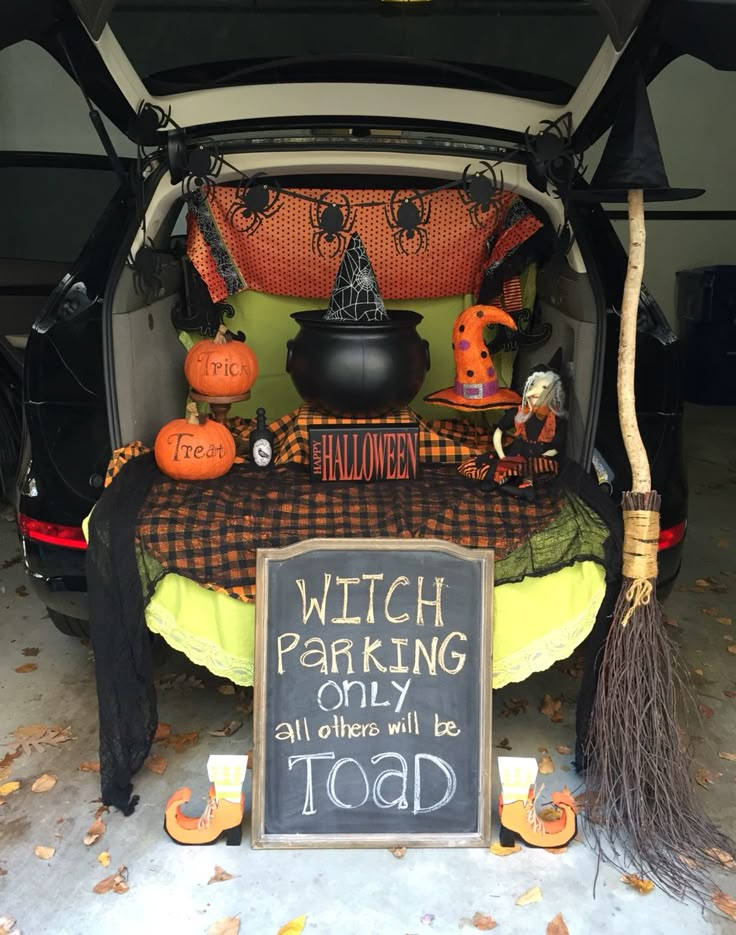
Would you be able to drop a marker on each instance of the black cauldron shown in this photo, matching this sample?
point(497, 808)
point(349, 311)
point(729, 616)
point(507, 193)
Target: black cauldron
point(357, 368)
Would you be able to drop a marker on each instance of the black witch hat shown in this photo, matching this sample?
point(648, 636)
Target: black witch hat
point(632, 158)
point(355, 295)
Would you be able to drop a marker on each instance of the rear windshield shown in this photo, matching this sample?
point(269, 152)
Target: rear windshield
point(533, 48)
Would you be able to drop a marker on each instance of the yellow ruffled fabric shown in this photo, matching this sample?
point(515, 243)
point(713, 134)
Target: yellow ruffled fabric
point(537, 622)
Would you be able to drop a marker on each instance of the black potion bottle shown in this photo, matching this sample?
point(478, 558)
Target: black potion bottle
point(261, 441)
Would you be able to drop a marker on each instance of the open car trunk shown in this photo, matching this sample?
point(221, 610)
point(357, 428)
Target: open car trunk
point(146, 351)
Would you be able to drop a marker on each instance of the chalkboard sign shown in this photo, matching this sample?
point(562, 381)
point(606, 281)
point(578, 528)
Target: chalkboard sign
point(372, 694)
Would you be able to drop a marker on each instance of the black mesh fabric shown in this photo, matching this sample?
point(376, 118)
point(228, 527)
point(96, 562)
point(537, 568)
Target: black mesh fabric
point(120, 639)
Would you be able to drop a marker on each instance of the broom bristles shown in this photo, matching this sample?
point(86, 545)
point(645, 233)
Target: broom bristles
point(645, 815)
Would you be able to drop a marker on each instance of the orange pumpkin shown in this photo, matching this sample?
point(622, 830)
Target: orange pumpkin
point(220, 367)
point(190, 449)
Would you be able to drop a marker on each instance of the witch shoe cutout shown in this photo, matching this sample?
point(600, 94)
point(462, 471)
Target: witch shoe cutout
point(521, 818)
point(221, 816)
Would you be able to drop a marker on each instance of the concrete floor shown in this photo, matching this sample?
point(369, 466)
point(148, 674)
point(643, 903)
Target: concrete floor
point(356, 892)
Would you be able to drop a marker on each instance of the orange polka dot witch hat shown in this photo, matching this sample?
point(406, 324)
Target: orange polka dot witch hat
point(476, 383)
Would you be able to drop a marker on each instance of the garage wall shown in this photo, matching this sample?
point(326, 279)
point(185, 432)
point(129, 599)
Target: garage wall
point(691, 103)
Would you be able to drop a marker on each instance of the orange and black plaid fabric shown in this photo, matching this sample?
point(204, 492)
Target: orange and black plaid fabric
point(210, 531)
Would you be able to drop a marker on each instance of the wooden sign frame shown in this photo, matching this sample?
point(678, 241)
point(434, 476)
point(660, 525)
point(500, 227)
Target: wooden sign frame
point(480, 836)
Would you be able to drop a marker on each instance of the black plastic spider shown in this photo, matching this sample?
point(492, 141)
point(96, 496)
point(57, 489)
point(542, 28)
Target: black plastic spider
point(203, 164)
point(149, 121)
point(407, 216)
point(332, 219)
point(480, 191)
point(551, 159)
point(254, 201)
point(147, 266)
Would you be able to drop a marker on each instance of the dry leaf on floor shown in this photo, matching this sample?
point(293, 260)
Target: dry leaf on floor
point(732, 648)
point(162, 731)
point(22, 591)
point(226, 689)
point(722, 543)
point(483, 922)
point(563, 749)
point(180, 741)
point(44, 853)
point(90, 766)
point(7, 787)
point(104, 858)
point(500, 851)
point(725, 903)
point(157, 764)
point(227, 926)
point(7, 924)
point(226, 730)
point(705, 777)
point(30, 651)
point(533, 895)
point(35, 737)
point(116, 882)
point(101, 810)
point(503, 744)
point(705, 710)
point(28, 667)
point(542, 750)
point(95, 832)
point(730, 694)
point(220, 876)
point(44, 783)
point(644, 886)
point(546, 765)
point(721, 857)
point(727, 756)
point(3, 872)
point(294, 927)
point(557, 926)
point(726, 621)
point(551, 708)
point(514, 706)
point(709, 611)
point(699, 672)
point(398, 852)
point(670, 621)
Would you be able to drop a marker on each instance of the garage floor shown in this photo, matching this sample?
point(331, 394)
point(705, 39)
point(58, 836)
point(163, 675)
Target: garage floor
point(341, 892)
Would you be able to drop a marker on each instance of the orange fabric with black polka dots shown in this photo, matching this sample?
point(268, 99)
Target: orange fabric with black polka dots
point(285, 255)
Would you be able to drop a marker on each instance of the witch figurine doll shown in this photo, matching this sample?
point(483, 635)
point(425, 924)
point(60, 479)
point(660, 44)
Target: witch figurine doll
point(528, 440)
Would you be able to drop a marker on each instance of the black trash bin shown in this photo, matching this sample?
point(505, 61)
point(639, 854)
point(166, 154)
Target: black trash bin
point(706, 311)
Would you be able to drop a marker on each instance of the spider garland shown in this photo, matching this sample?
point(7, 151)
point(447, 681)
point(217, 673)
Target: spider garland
point(552, 165)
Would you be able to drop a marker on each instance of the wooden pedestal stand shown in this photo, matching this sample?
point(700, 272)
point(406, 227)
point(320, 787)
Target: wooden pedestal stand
point(219, 405)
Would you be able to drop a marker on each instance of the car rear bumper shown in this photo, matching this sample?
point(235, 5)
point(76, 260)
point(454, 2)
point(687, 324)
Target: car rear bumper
point(58, 577)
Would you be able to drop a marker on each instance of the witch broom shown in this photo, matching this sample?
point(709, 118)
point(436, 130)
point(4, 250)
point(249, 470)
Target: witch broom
point(645, 815)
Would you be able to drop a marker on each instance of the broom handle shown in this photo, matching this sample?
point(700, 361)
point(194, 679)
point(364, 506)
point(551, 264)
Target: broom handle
point(641, 478)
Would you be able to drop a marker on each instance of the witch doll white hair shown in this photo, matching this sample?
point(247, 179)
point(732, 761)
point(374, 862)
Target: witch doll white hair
point(543, 388)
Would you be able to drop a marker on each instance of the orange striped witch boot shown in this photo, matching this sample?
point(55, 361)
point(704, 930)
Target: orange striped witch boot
point(521, 818)
point(221, 816)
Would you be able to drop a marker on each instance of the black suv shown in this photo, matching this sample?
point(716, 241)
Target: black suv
point(381, 92)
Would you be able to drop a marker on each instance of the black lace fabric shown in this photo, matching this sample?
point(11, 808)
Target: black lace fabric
point(120, 638)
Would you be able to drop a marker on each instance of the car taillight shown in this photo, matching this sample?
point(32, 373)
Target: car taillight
point(672, 535)
point(71, 537)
